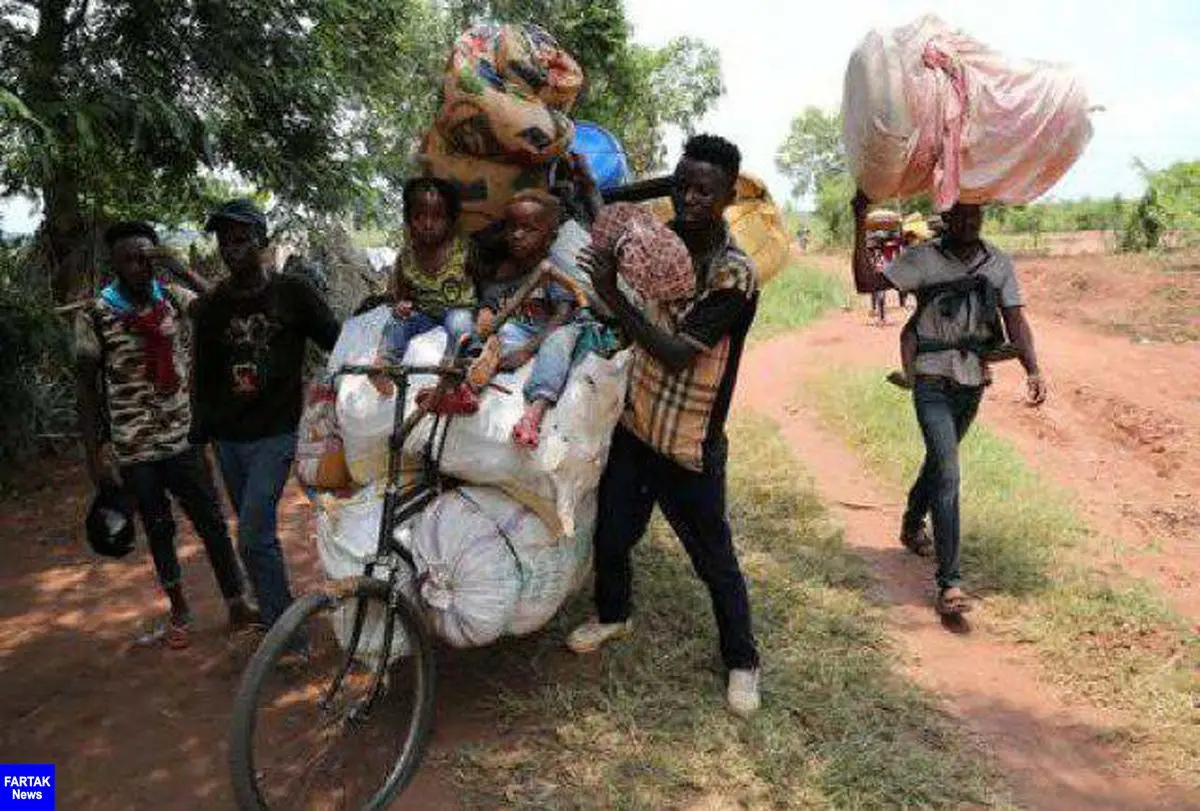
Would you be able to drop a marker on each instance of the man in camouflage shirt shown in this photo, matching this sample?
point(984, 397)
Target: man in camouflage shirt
point(132, 347)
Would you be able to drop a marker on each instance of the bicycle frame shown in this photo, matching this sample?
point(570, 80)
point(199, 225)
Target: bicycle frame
point(399, 505)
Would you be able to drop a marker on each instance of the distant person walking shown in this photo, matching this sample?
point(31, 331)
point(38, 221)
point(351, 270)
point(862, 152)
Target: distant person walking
point(953, 278)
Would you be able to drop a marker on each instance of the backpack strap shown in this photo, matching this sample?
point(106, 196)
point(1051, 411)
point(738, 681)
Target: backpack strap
point(972, 282)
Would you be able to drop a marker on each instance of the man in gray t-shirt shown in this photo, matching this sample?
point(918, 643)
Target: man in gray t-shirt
point(948, 383)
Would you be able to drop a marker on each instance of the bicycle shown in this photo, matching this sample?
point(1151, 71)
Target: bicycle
point(356, 694)
point(410, 679)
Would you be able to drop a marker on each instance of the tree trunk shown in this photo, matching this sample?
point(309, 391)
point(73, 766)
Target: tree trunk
point(63, 238)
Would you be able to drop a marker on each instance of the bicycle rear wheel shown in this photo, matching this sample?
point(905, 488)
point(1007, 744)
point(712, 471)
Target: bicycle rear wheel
point(303, 740)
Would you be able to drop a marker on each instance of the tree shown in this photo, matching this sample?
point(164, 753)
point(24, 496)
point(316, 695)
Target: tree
point(1171, 202)
point(131, 106)
point(834, 194)
point(812, 151)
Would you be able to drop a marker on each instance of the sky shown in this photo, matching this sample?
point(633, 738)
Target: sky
point(1137, 59)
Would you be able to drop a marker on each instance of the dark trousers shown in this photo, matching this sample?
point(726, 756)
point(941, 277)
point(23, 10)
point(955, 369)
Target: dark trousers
point(635, 479)
point(945, 411)
point(185, 477)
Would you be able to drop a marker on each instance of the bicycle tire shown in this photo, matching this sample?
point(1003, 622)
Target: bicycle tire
point(243, 773)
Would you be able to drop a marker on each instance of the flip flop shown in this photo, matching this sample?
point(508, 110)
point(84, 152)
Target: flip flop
point(526, 434)
point(952, 602)
point(175, 634)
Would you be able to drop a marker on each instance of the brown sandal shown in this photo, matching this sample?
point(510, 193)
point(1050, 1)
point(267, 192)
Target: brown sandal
point(952, 602)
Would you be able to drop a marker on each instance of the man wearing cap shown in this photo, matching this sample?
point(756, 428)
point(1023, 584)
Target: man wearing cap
point(251, 334)
point(132, 347)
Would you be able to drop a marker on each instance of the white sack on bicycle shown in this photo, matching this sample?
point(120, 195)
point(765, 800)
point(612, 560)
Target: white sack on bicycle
point(488, 566)
point(479, 449)
point(347, 535)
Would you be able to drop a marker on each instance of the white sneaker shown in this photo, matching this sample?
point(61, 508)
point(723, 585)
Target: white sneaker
point(589, 637)
point(742, 692)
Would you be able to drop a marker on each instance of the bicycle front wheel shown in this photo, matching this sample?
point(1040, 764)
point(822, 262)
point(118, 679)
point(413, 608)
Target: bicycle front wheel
point(313, 728)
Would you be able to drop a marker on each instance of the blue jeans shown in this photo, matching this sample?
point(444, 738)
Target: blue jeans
point(945, 411)
point(551, 365)
point(399, 331)
point(255, 473)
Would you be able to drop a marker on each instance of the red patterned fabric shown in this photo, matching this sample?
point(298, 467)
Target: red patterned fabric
point(650, 256)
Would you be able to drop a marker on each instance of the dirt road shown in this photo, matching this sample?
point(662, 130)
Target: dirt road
point(136, 729)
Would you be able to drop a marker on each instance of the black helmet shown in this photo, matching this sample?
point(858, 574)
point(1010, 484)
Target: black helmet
point(109, 523)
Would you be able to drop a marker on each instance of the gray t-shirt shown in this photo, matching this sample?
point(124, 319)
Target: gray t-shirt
point(927, 264)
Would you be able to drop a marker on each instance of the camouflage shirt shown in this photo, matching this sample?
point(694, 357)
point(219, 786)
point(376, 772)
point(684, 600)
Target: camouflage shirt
point(144, 425)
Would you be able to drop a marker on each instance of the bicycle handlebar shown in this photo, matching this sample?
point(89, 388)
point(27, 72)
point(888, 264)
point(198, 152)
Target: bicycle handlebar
point(398, 370)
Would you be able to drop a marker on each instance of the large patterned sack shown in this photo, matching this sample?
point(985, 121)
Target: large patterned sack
point(927, 108)
point(484, 186)
point(650, 256)
point(506, 93)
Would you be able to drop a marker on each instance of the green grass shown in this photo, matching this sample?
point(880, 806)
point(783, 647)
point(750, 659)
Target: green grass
point(642, 725)
point(1014, 520)
point(796, 298)
point(1110, 639)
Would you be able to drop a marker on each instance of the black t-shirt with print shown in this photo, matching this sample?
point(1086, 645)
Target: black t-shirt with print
point(250, 353)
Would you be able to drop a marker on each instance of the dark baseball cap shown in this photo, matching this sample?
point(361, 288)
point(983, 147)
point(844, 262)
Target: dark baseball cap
point(241, 210)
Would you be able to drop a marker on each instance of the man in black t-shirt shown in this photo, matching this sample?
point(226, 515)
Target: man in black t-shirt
point(251, 332)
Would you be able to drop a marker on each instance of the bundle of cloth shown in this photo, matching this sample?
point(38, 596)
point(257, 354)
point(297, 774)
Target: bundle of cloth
point(930, 110)
point(506, 97)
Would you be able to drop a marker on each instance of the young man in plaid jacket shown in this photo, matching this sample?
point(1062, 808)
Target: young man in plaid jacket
point(670, 447)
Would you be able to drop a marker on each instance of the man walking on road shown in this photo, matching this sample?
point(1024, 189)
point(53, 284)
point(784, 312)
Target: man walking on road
point(957, 280)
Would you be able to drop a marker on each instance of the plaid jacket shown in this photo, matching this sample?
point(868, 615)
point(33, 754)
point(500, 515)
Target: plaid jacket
point(673, 413)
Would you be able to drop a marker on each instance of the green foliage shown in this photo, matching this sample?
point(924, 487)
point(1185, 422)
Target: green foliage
point(812, 157)
point(833, 208)
point(1086, 214)
point(1171, 203)
point(796, 298)
point(135, 100)
point(812, 153)
point(36, 392)
point(126, 108)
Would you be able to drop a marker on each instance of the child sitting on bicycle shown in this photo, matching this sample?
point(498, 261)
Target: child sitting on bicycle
point(429, 287)
point(541, 329)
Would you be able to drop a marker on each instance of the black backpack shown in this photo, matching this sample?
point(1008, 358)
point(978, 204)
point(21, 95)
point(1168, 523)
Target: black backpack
point(972, 301)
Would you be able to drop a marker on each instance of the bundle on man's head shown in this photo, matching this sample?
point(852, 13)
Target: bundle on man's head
point(242, 210)
point(129, 228)
point(717, 151)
